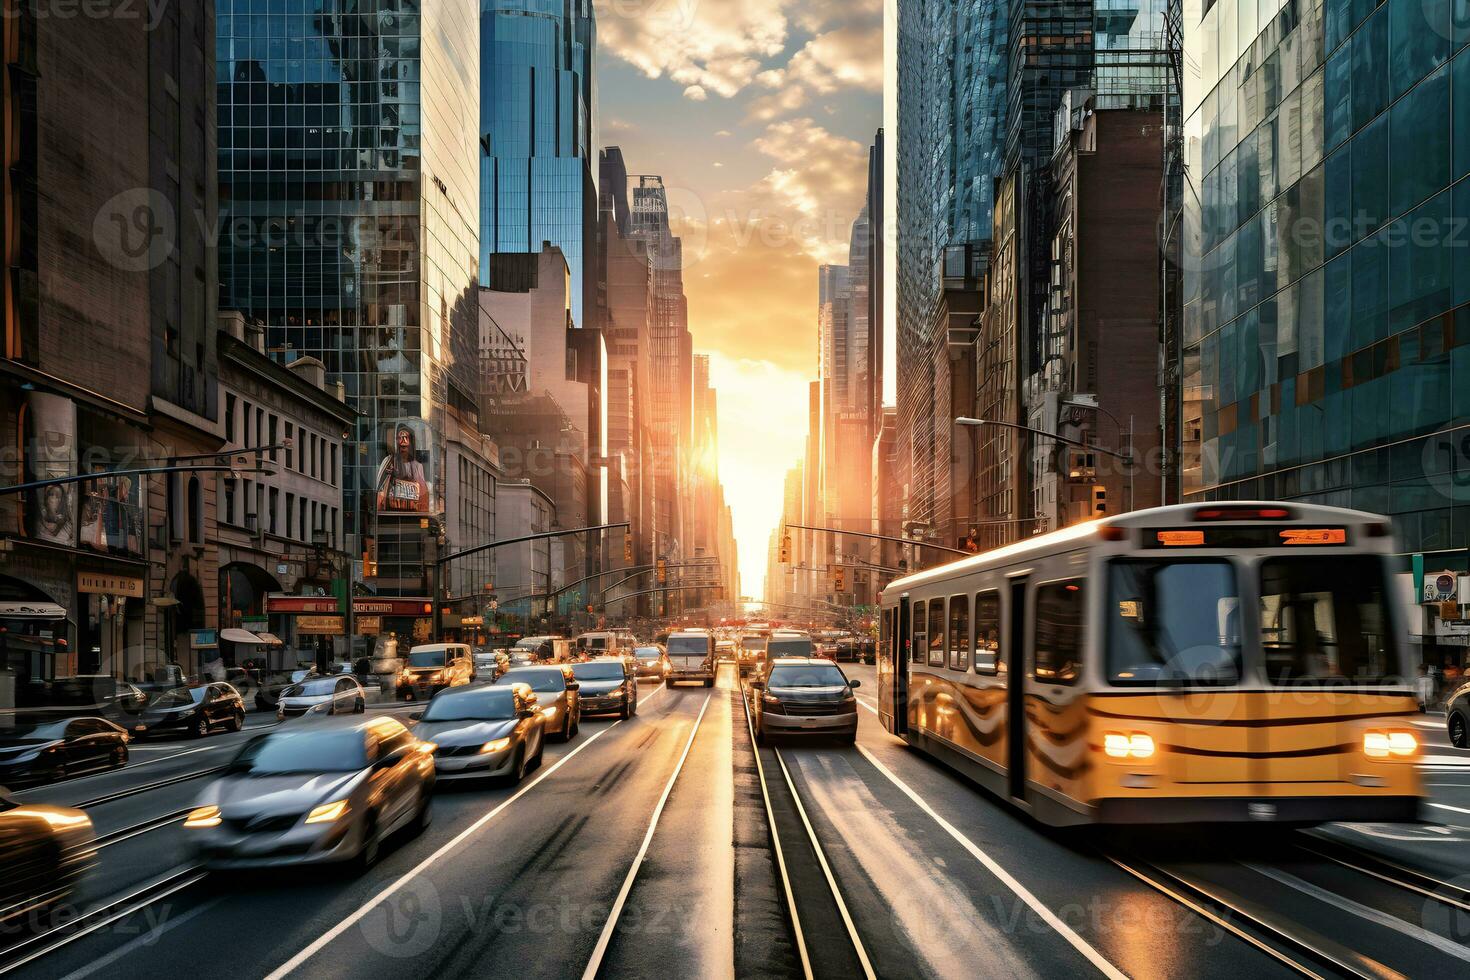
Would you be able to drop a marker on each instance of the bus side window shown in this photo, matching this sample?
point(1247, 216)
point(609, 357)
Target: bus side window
point(936, 633)
point(987, 632)
point(919, 638)
point(959, 632)
point(1060, 613)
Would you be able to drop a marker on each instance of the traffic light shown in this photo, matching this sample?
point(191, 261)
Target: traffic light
point(839, 578)
point(627, 547)
point(786, 549)
point(663, 571)
point(1099, 500)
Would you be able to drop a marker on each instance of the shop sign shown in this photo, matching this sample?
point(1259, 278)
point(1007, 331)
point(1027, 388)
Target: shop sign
point(295, 605)
point(472, 621)
point(369, 625)
point(320, 625)
point(392, 607)
point(101, 583)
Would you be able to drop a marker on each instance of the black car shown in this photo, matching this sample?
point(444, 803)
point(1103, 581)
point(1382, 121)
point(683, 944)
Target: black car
point(1457, 717)
point(89, 694)
point(268, 694)
point(609, 684)
point(53, 749)
point(46, 850)
point(196, 711)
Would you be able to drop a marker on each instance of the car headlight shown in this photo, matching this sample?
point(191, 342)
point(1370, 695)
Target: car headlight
point(770, 699)
point(203, 818)
point(1381, 745)
point(498, 745)
point(327, 812)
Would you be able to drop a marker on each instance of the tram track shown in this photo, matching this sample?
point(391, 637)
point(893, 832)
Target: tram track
point(783, 796)
point(1386, 870)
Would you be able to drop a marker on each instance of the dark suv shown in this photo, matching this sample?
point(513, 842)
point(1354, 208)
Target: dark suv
point(804, 696)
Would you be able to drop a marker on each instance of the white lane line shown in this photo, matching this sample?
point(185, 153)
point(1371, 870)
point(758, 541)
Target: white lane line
point(857, 942)
point(147, 939)
point(1446, 806)
point(863, 700)
point(285, 969)
point(617, 908)
point(1047, 915)
point(1446, 946)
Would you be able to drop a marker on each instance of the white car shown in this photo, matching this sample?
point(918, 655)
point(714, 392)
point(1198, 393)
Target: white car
point(322, 695)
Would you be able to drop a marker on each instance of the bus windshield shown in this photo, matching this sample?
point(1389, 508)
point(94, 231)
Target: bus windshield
point(1172, 623)
point(1325, 620)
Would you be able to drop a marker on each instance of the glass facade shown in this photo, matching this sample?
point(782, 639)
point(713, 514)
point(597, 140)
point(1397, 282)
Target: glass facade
point(538, 100)
point(1327, 270)
point(348, 159)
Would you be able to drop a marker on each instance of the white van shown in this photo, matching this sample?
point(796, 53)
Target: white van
point(691, 657)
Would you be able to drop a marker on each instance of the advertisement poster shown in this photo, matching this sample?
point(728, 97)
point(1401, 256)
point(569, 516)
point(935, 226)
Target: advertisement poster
point(112, 514)
point(51, 453)
point(405, 477)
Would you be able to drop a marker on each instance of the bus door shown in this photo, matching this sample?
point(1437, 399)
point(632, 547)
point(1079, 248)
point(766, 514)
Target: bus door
point(893, 668)
point(1017, 670)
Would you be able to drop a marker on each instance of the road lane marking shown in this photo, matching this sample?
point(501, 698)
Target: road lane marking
point(285, 969)
point(1065, 931)
point(617, 908)
point(146, 939)
point(857, 943)
point(864, 699)
point(1446, 806)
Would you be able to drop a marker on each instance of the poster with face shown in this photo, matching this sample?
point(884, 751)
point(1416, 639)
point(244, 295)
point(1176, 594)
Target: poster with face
point(51, 453)
point(405, 478)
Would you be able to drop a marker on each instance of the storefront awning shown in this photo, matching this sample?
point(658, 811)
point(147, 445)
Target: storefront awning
point(31, 610)
point(270, 639)
point(239, 636)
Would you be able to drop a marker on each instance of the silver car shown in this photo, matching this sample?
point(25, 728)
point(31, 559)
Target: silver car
point(484, 731)
point(315, 794)
point(338, 695)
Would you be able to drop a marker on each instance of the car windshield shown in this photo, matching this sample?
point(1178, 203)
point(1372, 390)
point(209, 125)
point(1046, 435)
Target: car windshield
point(1173, 622)
point(426, 658)
point(310, 689)
point(178, 697)
point(647, 653)
point(796, 647)
point(753, 643)
point(282, 753)
point(27, 732)
point(476, 704)
point(807, 675)
point(540, 681)
point(689, 645)
point(593, 642)
point(1326, 620)
point(606, 671)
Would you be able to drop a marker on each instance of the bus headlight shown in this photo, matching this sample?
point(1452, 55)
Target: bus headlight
point(1382, 745)
point(1132, 746)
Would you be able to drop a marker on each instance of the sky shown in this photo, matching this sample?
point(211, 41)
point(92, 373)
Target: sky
point(759, 115)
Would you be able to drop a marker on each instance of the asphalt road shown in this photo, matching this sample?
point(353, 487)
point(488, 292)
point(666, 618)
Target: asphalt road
point(666, 845)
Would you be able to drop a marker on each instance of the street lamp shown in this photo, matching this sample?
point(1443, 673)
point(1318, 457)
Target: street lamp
point(1126, 458)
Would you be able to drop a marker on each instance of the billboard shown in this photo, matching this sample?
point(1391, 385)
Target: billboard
point(51, 453)
point(405, 478)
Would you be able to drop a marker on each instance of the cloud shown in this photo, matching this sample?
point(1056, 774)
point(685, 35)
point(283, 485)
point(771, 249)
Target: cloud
point(849, 58)
point(816, 170)
point(716, 45)
point(696, 93)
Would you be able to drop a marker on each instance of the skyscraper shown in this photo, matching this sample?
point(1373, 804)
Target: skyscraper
point(538, 101)
point(349, 158)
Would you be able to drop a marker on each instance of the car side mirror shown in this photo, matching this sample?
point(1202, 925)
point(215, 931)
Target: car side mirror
point(416, 716)
point(854, 683)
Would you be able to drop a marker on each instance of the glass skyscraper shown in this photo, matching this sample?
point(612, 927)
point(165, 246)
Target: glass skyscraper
point(537, 103)
point(348, 158)
point(1327, 267)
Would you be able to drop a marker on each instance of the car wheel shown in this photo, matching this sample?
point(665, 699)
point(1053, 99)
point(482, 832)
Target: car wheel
point(575, 726)
point(360, 707)
point(200, 728)
point(371, 846)
point(237, 723)
point(424, 815)
point(119, 757)
point(709, 682)
point(625, 712)
point(1459, 730)
point(760, 734)
point(519, 772)
point(847, 739)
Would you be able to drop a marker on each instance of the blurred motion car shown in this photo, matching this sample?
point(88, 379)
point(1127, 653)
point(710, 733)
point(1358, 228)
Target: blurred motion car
point(542, 649)
point(787, 643)
point(85, 694)
point(556, 690)
point(1457, 716)
point(650, 661)
point(805, 696)
point(433, 667)
point(482, 732)
point(268, 694)
point(607, 685)
point(315, 794)
point(338, 695)
point(196, 711)
point(44, 850)
point(752, 653)
point(46, 751)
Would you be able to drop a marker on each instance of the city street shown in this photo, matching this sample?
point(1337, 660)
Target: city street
point(644, 846)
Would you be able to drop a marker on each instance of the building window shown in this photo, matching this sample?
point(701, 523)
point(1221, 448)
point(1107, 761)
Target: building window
point(272, 437)
point(332, 473)
point(230, 419)
point(290, 446)
point(229, 495)
point(275, 501)
point(305, 533)
point(196, 511)
point(290, 515)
